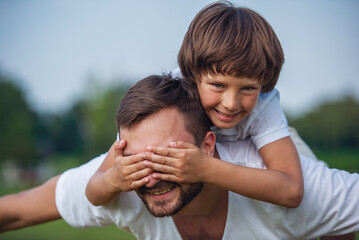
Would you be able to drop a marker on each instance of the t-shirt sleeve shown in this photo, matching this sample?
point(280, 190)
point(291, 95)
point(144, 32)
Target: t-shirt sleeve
point(269, 122)
point(71, 200)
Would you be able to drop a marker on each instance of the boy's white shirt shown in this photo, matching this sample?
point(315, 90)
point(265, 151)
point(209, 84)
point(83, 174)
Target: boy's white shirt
point(330, 204)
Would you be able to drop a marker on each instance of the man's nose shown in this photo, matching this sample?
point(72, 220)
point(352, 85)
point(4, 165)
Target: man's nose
point(153, 181)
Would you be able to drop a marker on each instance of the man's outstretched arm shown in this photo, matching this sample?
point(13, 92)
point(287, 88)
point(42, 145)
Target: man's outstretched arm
point(30, 207)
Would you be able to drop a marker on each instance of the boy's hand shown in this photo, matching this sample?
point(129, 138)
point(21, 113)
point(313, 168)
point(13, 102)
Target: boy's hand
point(128, 172)
point(182, 162)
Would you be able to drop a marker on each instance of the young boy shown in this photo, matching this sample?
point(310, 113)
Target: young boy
point(234, 58)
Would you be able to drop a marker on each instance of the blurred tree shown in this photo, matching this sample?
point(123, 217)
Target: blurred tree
point(98, 122)
point(61, 134)
point(17, 126)
point(84, 131)
point(332, 125)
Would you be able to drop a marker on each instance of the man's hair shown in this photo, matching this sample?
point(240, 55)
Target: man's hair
point(224, 39)
point(155, 93)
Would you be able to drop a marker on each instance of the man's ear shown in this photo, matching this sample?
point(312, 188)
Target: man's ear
point(209, 143)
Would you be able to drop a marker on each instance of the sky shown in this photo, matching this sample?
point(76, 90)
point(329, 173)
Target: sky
point(52, 48)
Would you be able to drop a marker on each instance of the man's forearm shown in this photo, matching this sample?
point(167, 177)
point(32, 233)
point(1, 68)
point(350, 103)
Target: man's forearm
point(30, 207)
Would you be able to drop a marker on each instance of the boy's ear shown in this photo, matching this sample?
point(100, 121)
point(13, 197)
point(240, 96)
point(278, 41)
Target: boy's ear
point(209, 143)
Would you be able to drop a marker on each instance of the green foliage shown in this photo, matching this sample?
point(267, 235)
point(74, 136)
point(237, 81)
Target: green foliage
point(98, 118)
point(85, 130)
point(344, 159)
point(333, 125)
point(17, 125)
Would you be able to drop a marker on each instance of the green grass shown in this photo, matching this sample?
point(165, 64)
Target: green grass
point(59, 230)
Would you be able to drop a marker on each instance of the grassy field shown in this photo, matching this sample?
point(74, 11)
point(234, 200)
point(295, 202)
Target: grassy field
point(59, 230)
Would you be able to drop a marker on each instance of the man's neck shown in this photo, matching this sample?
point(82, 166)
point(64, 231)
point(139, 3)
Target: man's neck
point(205, 202)
point(205, 216)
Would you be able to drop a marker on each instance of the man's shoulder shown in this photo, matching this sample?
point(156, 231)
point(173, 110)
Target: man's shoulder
point(240, 152)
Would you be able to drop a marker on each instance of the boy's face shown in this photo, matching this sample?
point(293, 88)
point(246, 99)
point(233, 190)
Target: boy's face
point(228, 99)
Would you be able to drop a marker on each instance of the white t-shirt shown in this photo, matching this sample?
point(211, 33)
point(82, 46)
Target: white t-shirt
point(265, 124)
point(330, 204)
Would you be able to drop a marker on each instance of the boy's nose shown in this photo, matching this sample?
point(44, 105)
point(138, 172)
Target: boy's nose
point(230, 101)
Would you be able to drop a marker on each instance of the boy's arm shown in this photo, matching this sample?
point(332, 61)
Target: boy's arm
point(30, 207)
point(280, 184)
point(117, 173)
point(281, 156)
point(96, 192)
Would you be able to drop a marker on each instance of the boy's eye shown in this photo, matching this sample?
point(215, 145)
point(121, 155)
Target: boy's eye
point(248, 88)
point(217, 85)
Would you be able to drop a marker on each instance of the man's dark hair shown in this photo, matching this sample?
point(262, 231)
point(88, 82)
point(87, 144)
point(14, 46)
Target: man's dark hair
point(154, 93)
point(227, 40)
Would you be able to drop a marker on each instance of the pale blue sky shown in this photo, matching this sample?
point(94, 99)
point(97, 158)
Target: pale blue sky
point(52, 46)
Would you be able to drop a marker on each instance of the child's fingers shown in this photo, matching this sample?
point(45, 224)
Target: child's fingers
point(119, 146)
point(160, 150)
point(181, 145)
point(153, 157)
point(166, 156)
point(153, 181)
point(137, 175)
point(132, 169)
point(166, 177)
point(125, 162)
point(139, 183)
point(175, 149)
point(160, 168)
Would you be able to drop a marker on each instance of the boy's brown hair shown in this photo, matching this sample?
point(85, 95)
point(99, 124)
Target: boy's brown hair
point(224, 39)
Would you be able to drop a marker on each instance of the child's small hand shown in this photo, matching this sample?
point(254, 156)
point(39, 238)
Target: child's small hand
point(182, 162)
point(129, 172)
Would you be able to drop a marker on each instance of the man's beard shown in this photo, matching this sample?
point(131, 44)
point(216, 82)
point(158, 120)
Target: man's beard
point(166, 208)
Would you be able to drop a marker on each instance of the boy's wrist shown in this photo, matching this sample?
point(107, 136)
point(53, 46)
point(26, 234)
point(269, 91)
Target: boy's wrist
point(109, 183)
point(208, 174)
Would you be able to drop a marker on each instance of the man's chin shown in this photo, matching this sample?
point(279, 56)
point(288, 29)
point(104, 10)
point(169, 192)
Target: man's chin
point(163, 209)
point(171, 202)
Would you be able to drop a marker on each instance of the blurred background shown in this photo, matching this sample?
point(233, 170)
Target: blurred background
point(65, 66)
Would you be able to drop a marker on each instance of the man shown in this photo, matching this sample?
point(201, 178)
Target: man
point(196, 210)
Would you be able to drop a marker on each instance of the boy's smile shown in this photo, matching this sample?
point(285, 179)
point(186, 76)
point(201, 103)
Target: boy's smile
point(228, 99)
